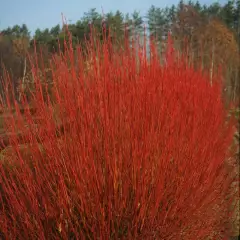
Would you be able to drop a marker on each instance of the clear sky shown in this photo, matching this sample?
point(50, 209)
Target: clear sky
point(47, 13)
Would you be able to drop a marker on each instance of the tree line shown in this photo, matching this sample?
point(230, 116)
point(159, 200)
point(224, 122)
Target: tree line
point(212, 32)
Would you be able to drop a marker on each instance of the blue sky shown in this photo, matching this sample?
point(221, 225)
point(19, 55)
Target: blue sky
point(47, 13)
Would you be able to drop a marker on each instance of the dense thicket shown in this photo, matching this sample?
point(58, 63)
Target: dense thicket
point(131, 149)
point(212, 32)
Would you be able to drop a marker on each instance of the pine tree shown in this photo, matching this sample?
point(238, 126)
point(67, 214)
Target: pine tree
point(227, 13)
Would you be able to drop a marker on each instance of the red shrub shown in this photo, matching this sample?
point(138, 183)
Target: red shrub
point(141, 155)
